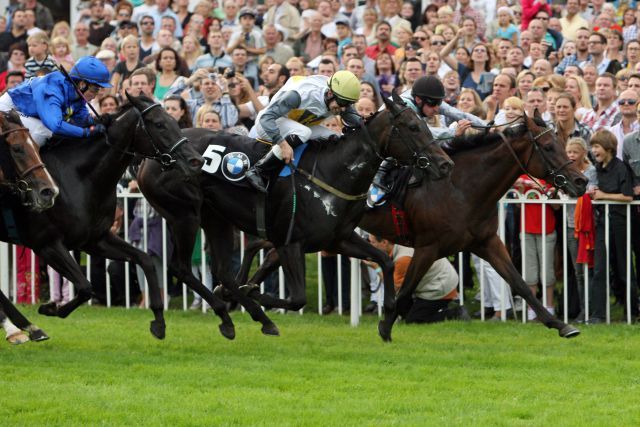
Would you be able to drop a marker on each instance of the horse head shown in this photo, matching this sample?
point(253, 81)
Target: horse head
point(410, 141)
point(549, 160)
point(33, 182)
point(170, 147)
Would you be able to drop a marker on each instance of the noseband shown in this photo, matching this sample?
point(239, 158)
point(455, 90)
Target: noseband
point(21, 185)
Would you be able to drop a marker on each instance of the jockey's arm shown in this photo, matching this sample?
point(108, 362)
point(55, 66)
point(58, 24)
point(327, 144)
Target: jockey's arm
point(351, 118)
point(457, 115)
point(51, 113)
point(288, 101)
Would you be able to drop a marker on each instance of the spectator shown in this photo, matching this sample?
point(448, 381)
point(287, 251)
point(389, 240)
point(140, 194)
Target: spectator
point(191, 51)
point(632, 55)
point(11, 80)
point(412, 72)
point(597, 44)
point(572, 21)
point(142, 82)
point(62, 29)
point(606, 113)
point(629, 26)
point(504, 86)
point(469, 37)
point(108, 104)
point(542, 68)
point(577, 88)
point(615, 183)
point(230, 19)
point(614, 46)
point(17, 60)
point(370, 21)
point(478, 76)
point(634, 83)
point(40, 62)
point(18, 31)
point(286, 16)
point(179, 110)
point(130, 50)
point(30, 22)
point(217, 57)
point(383, 41)
point(44, 19)
point(466, 10)
point(631, 156)
point(451, 83)
point(530, 9)
point(365, 106)
point(81, 47)
point(515, 59)
point(61, 52)
point(627, 102)
point(309, 45)
point(566, 125)
point(276, 76)
point(295, 67)
point(536, 100)
point(248, 36)
point(208, 118)
point(274, 45)
point(169, 66)
point(524, 83)
point(99, 29)
point(148, 44)
point(162, 11)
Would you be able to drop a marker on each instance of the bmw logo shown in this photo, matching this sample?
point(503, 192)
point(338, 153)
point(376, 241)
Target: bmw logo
point(235, 165)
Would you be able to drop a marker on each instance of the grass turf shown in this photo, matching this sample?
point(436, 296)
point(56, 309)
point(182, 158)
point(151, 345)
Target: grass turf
point(102, 367)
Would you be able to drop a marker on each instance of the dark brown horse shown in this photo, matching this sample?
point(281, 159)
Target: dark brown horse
point(460, 213)
point(325, 216)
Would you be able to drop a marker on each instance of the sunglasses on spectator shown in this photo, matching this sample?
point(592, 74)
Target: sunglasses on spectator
point(147, 23)
point(124, 14)
point(627, 102)
point(422, 39)
point(542, 18)
point(439, 43)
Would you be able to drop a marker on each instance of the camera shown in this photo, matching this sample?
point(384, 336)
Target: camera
point(230, 73)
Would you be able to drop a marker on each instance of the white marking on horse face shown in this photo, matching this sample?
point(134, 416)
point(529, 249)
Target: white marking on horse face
point(357, 166)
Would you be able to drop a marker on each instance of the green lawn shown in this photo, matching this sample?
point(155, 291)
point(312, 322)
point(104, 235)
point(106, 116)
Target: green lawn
point(103, 367)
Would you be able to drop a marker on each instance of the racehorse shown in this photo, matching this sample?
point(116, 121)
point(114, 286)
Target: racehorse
point(22, 169)
point(319, 211)
point(24, 174)
point(447, 216)
point(88, 172)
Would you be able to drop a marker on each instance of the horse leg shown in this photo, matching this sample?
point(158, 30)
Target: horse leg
point(57, 256)
point(270, 264)
point(290, 257)
point(494, 252)
point(421, 261)
point(247, 259)
point(356, 247)
point(14, 335)
point(219, 234)
point(18, 319)
point(184, 232)
point(115, 248)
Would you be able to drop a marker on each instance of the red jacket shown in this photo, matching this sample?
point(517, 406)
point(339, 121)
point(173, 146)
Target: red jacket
point(529, 10)
point(533, 211)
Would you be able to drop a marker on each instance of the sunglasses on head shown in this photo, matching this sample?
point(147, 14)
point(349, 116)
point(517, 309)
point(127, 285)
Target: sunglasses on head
point(627, 102)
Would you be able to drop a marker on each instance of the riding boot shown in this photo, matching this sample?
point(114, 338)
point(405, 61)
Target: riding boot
point(378, 179)
point(260, 172)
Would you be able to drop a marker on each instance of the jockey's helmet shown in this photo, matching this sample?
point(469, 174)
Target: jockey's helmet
point(91, 70)
point(345, 86)
point(429, 89)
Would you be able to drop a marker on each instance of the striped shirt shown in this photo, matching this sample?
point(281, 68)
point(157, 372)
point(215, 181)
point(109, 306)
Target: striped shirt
point(37, 69)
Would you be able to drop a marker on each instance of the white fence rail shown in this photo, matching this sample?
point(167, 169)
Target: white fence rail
point(8, 269)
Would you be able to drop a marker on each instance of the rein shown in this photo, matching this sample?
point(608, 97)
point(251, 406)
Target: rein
point(21, 185)
point(328, 188)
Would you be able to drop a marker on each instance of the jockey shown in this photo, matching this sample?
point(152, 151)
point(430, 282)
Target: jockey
point(294, 115)
point(426, 98)
point(49, 105)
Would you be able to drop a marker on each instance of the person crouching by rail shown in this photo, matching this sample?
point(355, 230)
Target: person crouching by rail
point(436, 290)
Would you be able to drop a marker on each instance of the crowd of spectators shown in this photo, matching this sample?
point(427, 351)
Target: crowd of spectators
point(215, 64)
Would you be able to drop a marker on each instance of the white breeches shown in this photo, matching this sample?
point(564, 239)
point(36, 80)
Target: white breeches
point(39, 132)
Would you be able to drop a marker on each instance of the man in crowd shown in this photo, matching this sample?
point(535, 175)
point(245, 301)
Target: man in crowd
point(217, 57)
point(572, 22)
point(18, 31)
point(597, 58)
point(274, 46)
point(383, 41)
point(606, 112)
point(582, 51)
point(627, 102)
point(286, 16)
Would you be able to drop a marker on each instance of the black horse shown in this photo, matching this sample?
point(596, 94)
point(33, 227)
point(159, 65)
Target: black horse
point(87, 172)
point(321, 214)
point(460, 213)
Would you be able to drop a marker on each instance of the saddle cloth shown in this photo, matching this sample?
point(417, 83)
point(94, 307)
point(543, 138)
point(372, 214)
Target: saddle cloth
point(398, 180)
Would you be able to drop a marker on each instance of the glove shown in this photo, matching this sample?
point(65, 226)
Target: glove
point(95, 130)
point(104, 119)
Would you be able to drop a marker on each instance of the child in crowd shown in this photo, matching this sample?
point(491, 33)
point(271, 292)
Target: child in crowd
point(577, 152)
point(615, 183)
point(40, 62)
point(62, 52)
point(539, 267)
point(506, 28)
point(513, 108)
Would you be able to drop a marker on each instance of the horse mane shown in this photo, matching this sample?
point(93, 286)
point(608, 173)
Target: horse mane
point(13, 117)
point(483, 139)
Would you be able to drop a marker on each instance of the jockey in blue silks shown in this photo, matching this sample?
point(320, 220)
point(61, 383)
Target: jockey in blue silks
point(50, 105)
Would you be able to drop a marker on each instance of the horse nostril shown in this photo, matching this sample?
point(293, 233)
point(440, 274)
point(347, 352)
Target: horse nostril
point(196, 163)
point(47, 193)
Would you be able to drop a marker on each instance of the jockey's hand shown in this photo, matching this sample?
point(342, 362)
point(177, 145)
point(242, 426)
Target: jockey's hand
point(95, 130)
point(286, 151)
point(104, 119)
point(462, 127)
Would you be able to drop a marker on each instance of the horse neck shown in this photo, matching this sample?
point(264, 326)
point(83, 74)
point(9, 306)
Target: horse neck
point(115, 160)
point(497, 170)
point(354, 162)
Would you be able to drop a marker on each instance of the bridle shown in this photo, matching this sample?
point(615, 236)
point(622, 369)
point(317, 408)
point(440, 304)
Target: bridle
point(559, 180)
point(21, 185)
point(166, 159)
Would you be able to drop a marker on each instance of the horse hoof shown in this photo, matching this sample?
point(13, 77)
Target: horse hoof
point(227, 331)
point(270, 329)
point(384, 331)
point(36, 334)
point(157, 329)
point(18, 338)
point(569, 331)
point(48, 309)
point(249, 289)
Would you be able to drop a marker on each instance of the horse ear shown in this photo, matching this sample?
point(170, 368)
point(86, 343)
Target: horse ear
point(397, 99)
point(391, 105)
point(129, 97)
point(536, 114)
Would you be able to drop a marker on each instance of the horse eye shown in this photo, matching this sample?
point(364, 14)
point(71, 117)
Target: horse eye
point(414, 128)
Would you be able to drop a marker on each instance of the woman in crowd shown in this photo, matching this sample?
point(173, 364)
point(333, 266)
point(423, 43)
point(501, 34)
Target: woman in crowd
point(208, 118)
point(566, 125)
point(423, 39)
point(469, 102)
point(629, 26)
point(447, 31)
point(577, 87)
point(169, 67)
point(478, 76)
point(181, 8)
point(614, 46)
point(386, 74)
point(368, 29)
point(110, 44)
point(622, 80)
point(62, 29)
point(467, 36)
point(17, 59)
point(451, 83)
point(177, 108)
point(245, 99)
point(108, 104)
point(524, 83)
point(130, 50)
point(191, 50)
point(430, 18)
point(367, 90)
point(463, 56)
point(434, 65)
